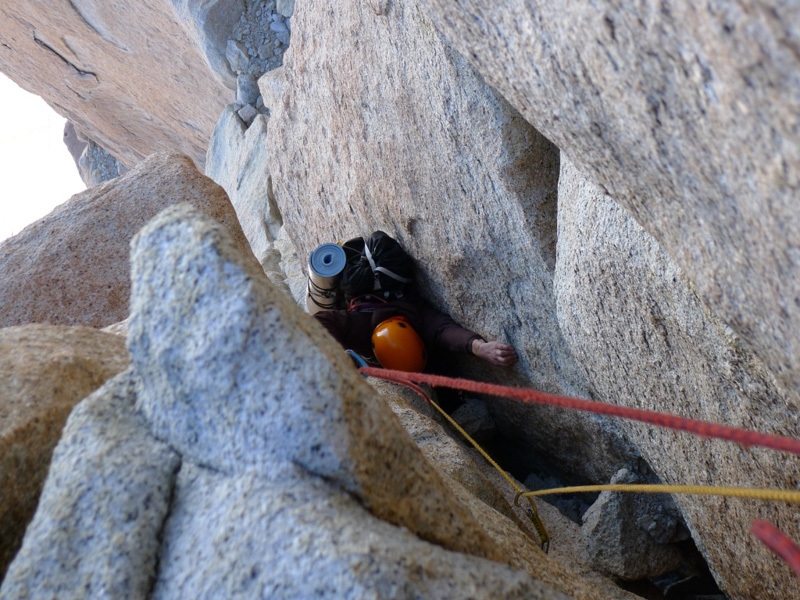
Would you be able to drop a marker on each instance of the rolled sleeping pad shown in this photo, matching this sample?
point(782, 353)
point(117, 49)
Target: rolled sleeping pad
point(325, 266)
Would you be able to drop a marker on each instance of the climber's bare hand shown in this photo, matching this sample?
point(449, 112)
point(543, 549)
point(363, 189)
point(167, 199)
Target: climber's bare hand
point(495, 353)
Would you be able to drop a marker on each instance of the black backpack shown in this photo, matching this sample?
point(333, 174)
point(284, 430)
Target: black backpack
point(376, 265)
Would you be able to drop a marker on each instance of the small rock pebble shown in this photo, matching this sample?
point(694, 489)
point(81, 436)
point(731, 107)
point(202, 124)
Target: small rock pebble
point(247, 113)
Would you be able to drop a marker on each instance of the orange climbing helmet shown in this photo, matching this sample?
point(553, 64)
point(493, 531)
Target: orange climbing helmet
point(397, 346)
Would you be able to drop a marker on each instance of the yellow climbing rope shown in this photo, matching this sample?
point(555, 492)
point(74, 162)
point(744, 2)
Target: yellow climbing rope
point(789, 496)
point(533, 513)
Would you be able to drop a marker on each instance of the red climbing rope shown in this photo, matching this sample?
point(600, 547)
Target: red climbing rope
point(779, 543)
point(707, 429)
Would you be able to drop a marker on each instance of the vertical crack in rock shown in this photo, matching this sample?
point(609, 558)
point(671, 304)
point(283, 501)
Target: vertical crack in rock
point(162, 532)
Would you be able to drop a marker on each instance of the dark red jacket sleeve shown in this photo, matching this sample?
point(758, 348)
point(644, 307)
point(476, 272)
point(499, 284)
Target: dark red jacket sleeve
point(437, 329)
point(353, 330)
point(443, 331)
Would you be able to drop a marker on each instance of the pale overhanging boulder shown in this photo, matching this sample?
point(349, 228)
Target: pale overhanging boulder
point(617, 540)
point(279, 445)
point(126, 74)
point(44, 371)
point(419, 146)
point(645, 339)
point(72, 266)
point(688, 116)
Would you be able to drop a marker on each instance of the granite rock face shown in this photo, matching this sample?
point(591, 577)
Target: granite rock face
point(72, 267)
point(96, 165)
point(420, 147)
point(238, 160)
point(685, 114)
point(309, 538)
point(44, 371)
point(97, 528)
point(293, 477)
point(646, 339)
point(127, 75)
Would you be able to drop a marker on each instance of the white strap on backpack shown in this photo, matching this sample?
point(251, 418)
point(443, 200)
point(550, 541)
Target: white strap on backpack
point(384, 270)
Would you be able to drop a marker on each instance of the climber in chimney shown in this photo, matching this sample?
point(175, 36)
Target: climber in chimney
point(375, 312)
